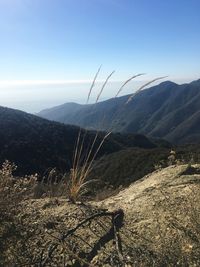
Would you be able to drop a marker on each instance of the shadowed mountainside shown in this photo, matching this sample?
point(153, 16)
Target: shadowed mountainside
point(121, 168)
point(36, 144)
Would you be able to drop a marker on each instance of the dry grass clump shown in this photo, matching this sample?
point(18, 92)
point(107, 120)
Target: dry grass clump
point(83, 163)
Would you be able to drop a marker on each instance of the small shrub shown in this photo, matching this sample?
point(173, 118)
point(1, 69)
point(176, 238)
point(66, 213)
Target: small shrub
point(12, 192)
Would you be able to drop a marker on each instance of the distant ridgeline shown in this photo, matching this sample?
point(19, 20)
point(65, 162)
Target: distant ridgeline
point(168, 111)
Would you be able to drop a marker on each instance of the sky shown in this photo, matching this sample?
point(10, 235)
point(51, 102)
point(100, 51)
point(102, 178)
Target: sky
point(51, 49)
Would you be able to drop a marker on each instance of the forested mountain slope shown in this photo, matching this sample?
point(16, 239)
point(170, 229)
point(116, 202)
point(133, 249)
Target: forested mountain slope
point(36, 144)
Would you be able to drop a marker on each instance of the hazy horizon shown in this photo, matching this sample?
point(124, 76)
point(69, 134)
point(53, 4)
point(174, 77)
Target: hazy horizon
point(50, 49)
point(34, 96)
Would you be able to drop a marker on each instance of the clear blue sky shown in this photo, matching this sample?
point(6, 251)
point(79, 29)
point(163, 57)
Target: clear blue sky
point(69, 39)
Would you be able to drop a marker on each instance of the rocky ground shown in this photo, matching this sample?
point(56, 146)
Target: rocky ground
point(160, 226)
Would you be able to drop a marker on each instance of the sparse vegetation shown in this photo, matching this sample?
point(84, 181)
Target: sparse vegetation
point(51, 231)
point(39, 227)
point(12, 192)
point(83, 162)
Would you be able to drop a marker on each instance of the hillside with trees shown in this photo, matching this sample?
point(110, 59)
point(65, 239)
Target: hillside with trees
point(35, 144)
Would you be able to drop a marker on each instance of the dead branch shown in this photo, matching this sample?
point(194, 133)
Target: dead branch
point(82, 258)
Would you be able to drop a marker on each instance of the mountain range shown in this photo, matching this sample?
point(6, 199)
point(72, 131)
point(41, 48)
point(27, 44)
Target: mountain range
point(35, 144)
point(169, 111)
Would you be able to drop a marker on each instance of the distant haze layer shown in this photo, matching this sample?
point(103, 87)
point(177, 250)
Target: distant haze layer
point(33, 96)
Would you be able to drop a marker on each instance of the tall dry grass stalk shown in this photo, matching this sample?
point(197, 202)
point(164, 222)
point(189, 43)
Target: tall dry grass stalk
point(144, 86)
point(83, 162)
point(82, 166)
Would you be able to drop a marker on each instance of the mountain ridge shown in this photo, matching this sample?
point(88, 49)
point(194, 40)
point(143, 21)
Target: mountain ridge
point(157, 112)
